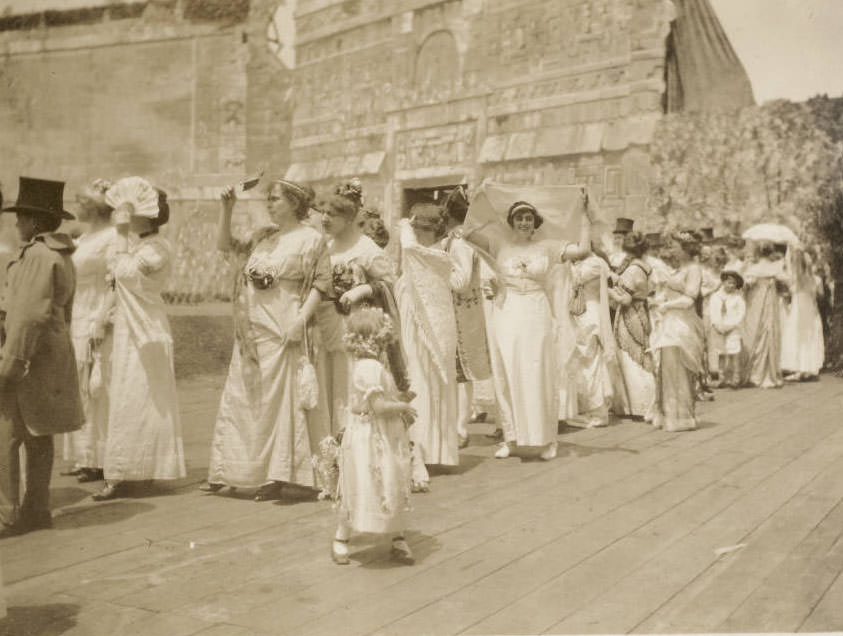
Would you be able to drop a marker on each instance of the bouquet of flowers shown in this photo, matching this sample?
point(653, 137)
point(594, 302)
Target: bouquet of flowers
point(344, 278)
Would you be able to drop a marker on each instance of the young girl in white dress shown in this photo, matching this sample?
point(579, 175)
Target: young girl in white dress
point(374, 462)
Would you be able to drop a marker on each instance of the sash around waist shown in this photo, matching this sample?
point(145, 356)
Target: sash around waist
point(522, 285)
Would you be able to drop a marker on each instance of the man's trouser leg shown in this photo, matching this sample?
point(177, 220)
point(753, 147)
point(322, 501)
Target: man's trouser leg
point(39, 468)
point(11, 428)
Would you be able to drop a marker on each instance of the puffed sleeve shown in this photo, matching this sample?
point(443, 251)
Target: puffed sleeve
point(33, 299)
point(377, 266)
point(368, 378)
point(148, 257)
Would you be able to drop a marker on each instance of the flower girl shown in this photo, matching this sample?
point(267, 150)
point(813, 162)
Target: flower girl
point(374, 461)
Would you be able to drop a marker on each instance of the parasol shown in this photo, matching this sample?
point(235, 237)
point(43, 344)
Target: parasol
point(772, 232)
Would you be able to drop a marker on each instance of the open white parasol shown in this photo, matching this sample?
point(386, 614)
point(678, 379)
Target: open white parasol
point(772, 232)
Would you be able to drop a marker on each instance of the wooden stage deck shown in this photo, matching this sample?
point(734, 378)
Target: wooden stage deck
point(734, 527)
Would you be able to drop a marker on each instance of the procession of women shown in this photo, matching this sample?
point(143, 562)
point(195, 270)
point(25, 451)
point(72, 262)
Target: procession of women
point(359, 349)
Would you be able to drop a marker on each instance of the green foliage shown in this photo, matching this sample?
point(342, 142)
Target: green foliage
point(780, 162)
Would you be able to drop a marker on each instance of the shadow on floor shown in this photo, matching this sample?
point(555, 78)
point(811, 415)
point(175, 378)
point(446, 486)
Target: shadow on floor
point(99, 514)
point(39, 620)
point(376, 556)
point(580, 450)
point(467, 462)
point(62, 497)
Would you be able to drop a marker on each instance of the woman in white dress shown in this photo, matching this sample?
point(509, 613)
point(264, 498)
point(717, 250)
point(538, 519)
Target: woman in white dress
point(90, 330)
point(524, 356)
point(595, 348)
point(265, 435)
point(678, 341)
point(144, 440)
point(803, 348)
point(361, 274)
point(429, 336)
point(635, 384)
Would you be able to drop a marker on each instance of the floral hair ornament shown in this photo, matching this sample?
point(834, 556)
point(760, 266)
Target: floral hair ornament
point(352, 189)
point(369, 332)
point(686, 237)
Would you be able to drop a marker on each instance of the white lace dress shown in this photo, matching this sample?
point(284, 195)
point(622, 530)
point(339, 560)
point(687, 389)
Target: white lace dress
point(374, 462)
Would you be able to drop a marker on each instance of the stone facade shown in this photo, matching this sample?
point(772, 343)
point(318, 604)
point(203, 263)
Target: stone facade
point(414, 94)
point(184, 92)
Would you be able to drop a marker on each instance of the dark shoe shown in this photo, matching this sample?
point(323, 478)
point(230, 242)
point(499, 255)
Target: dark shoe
point(71, 473)
point(207, 486)
point(90, 474)
point(111, 491)
point(480, 417)
point(498, 434)
point(269, 492)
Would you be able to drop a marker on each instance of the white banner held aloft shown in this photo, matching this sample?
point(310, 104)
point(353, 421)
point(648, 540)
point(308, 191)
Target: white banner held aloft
point(557, 204)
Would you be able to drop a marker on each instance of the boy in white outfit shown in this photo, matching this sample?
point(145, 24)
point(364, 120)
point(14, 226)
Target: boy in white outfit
point(727, 310)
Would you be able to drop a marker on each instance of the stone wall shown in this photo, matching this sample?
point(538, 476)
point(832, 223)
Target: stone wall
point(433, 92)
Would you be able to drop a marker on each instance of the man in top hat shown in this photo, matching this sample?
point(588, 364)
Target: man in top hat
point(623, 226)
point(707, 235)
point(39, 390)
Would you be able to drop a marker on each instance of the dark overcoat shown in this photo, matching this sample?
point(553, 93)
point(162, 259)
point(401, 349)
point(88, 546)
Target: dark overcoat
point(36, 358)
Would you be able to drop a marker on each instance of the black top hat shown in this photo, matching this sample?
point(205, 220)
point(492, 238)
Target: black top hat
point(622, 225)
point(730, 273)
point(654, 239)
point(707, 234)
point(40, 196)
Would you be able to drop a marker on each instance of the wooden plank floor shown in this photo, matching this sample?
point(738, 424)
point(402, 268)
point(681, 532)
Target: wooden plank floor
point(735, 527)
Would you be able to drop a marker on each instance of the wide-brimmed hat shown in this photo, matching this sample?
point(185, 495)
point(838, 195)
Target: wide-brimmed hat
point(623, 225)
point(40, 196)
point(730, 273)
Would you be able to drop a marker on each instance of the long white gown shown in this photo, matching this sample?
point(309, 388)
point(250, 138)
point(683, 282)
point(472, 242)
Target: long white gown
point(595, 349)
point(524, 353)
point(429, 335)
point(803, 347)
point(86, 447)
point(262, 433)
point(144, 431)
